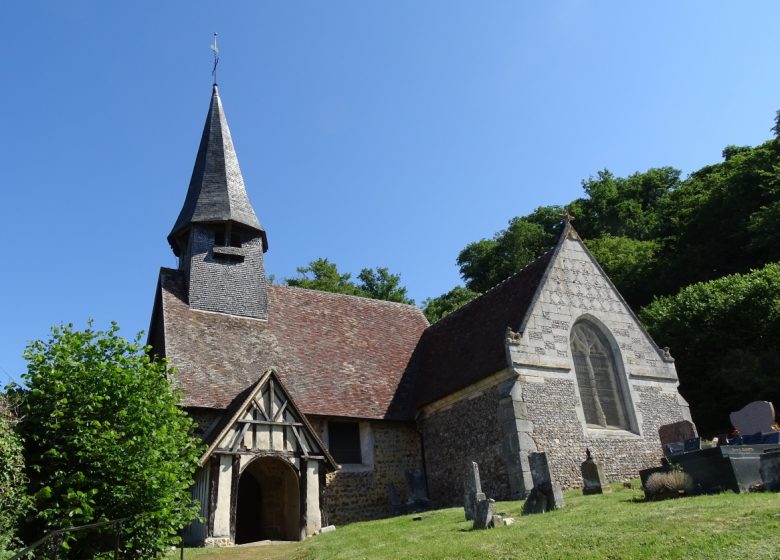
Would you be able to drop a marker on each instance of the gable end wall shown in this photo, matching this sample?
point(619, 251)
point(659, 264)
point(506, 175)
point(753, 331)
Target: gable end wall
point(547, 387)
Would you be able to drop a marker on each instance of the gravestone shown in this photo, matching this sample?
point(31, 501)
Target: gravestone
point(769, 468)
point(483, 513)
point(679, 431)
point(395, 500)
point(417, 491)
point(757, 416)
point(593, 481)
point(472, 489)
point(545, 495)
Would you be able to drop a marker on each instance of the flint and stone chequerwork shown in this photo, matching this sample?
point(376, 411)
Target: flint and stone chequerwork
point(321, 408)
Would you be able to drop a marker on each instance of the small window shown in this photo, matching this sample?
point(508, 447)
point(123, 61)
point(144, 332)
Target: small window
point(344, 442)
point(235, 238)
point(597, 378)
point(219, 238)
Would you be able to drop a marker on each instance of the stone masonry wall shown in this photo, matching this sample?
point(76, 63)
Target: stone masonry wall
point(552, 406)
point(540, 353)
point(467, 431)
point(362, 495)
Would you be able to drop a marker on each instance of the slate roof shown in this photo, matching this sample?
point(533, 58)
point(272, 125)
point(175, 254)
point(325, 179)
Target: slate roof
point(216, 192)
point(338, 355)
point(469, 344)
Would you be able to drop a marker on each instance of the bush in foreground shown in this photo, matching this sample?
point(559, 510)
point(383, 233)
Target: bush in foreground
point(12, 481)
point(105, 439)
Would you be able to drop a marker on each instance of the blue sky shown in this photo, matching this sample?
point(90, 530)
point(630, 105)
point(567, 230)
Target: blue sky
point(371, 133)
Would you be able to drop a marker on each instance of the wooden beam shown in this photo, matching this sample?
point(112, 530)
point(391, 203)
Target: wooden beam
point(270, 423)
point(304, 448)
point(260, 408)
point(280, 411)
point(240, 437)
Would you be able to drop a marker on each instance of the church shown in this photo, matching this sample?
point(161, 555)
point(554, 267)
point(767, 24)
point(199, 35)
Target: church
point(315, 408)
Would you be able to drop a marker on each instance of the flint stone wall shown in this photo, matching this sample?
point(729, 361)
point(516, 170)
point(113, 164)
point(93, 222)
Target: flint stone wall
point(559, 431)
point(362, 495)
point(467, 430)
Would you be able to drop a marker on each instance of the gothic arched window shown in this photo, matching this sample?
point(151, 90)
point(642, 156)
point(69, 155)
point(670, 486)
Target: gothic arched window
point(597, 378)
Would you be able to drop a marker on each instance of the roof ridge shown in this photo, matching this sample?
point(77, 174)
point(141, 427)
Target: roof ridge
point(339, 294)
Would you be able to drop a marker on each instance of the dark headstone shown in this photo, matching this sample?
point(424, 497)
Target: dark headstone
point(593, 481)
point(536, 502)
point(679, 431)
point(769, 468)
point(471, 487)
point(395, 500)
point(483, 513)
point(417, 491)
point(545, 495)
point(757, 416)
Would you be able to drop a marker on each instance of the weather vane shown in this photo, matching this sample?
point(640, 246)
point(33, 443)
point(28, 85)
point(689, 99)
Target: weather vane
point(215, 50)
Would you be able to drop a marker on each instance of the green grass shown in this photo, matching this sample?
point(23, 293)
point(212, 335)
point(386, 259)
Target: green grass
point(617, 525)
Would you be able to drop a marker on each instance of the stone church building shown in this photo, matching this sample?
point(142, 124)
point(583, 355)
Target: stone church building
point(313, 405)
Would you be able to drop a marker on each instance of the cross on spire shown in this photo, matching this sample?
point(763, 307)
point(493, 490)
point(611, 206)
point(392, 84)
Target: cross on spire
point(215, 50)
point(567, 217)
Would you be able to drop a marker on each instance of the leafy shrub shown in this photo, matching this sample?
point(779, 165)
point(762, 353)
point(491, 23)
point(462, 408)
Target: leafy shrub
point(669, 484)
point(13, 483)
point(106, 439)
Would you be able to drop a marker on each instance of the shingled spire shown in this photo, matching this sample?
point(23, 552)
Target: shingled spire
point(216, 193)
point(217, 237)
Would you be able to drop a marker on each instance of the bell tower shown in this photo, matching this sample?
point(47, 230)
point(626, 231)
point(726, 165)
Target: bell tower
point(217, 236)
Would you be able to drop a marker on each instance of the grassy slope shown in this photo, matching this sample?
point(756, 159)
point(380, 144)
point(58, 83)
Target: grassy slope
point(617, 525)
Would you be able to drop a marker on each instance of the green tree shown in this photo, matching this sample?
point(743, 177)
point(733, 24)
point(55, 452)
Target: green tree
point(630, 264)
point(13, 482)
point(382, 284)
point(323, 275)
point(378, 283)
point(438, 307)
point(105, 438)
point(723, 334)
point(485, 263)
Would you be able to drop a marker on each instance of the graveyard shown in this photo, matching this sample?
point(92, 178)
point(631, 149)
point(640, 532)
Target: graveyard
point(619, 524)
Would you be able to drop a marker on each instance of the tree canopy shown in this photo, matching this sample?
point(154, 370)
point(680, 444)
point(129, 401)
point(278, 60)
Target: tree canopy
point(105, 438)
point(725, 333)
point(378, 283)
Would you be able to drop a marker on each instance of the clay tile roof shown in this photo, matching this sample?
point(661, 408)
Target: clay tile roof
point(216, 192)
point(338, 355)
point(469, 344)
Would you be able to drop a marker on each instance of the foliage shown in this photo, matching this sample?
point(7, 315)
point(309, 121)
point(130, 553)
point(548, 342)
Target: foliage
point(13, 481)
point(323, 275)
point(670, 484)
point(726, 329)
point(438, 307)
point(629, 263)
point(105, 439)
point(486, 262)
point(381, 284)
point(618, 525)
